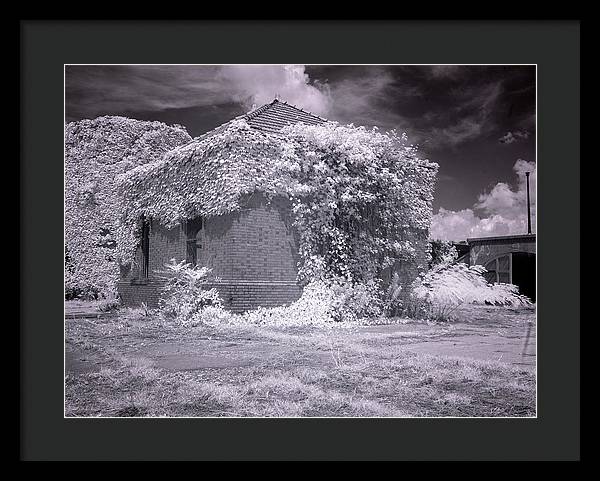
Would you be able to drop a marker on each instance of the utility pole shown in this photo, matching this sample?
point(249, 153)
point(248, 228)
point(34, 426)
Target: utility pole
point(528, 206)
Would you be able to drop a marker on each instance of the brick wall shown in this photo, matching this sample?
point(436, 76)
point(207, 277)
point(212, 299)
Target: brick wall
point(256, 243)
point(240, 296)
point(254, 253)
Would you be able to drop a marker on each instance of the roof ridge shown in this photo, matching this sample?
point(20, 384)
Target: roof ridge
point(259, 110)
point(306, 111)
point(272, 121)
point(263, 108)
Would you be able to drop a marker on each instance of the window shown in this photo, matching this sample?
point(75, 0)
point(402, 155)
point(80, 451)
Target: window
point(499, 270)
point(195, 240)
point(145, 248)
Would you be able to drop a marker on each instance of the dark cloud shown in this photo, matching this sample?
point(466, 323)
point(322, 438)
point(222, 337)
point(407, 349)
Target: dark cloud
point(97, 90)
point(475, 121)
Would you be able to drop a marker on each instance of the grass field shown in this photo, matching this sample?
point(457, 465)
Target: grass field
point(132, 365)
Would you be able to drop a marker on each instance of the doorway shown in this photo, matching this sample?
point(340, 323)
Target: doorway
point(523, 273)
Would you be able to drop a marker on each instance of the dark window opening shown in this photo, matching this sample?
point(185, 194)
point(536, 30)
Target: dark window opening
point(195, 240)
point(516, 268)
point(523, 265)
point(145, 248)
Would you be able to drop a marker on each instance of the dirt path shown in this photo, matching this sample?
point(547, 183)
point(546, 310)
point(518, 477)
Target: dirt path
point(486, 334)
point(134, 365)
point(490, 336)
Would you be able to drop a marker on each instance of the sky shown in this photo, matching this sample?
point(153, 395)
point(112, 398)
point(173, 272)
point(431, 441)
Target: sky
point(477, 122)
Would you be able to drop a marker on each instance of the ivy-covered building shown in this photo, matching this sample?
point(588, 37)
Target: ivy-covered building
point(218, 202)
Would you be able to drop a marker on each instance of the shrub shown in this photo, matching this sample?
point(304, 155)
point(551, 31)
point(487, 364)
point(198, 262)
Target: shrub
point(212, 316)
point(184, 293)
point(324, 302)
point(446, 286)
point(111, 303)
point(392, 304)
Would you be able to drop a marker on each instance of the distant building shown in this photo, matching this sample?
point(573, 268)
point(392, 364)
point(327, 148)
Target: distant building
point(508, 259)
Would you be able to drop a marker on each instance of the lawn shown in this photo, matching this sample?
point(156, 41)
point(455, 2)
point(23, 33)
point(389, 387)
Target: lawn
point(131, 364)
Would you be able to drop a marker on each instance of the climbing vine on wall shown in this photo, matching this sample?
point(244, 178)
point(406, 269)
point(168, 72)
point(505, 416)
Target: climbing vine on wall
point(361, 198)
point(96, 151)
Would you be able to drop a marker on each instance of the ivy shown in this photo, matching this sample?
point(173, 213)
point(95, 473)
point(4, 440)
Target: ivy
point(96, 151)
point(362, 199)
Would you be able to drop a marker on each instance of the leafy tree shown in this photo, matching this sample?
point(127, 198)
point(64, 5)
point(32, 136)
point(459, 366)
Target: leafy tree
point(442, 252)
point(96, 152)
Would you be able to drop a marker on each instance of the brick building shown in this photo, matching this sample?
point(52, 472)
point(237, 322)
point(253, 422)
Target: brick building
point(253, 251)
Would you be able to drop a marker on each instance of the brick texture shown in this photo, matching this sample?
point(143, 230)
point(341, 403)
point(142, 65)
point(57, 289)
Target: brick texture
point(253, 252)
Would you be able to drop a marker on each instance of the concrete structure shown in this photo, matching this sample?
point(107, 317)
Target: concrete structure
point(508, 259)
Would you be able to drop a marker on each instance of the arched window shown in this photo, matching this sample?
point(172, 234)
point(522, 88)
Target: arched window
point(499, 269)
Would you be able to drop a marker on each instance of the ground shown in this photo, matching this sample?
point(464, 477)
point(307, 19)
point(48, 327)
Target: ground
point(129, 364)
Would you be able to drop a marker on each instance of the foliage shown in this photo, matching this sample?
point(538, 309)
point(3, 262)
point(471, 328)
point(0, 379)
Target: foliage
point(211, 316)
point(184, 293)
point(110, 303)
point(323, 303)
point(361, 199)
point(442, 252)
point(393, 303)
point(96, 151)
point(335, 302)
point(446, 286)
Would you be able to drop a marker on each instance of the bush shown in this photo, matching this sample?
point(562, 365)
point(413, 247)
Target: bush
point(109, 304)
point(96, 153)
point(393, 304)
point(212, 316)
point(184, 293)
point(438, 292)
point(352, 301)
point(324, 302)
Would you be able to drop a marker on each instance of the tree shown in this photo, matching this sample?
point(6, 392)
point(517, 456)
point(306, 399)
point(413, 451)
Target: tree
point(96, 152)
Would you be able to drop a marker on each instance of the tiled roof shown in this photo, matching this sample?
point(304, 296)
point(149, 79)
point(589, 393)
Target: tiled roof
point(271, 118)
point(278, 114)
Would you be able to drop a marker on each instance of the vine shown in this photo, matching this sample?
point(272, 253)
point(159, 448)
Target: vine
point(96, 151)
point(362, 199)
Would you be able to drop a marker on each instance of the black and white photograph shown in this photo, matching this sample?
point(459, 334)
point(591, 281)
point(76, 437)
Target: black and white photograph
point(300, 241)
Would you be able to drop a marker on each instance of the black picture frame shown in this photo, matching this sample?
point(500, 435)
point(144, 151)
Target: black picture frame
point(45, 46)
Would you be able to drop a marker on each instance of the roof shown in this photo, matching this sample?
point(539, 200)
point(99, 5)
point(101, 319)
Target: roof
point(278, 114)
point(272, 117)
point(523, 237)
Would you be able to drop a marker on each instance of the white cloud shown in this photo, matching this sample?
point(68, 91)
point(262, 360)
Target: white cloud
point(162, 87)
point(511, 137)
point(258, 85)
point(502, 211)
point(466, 129)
